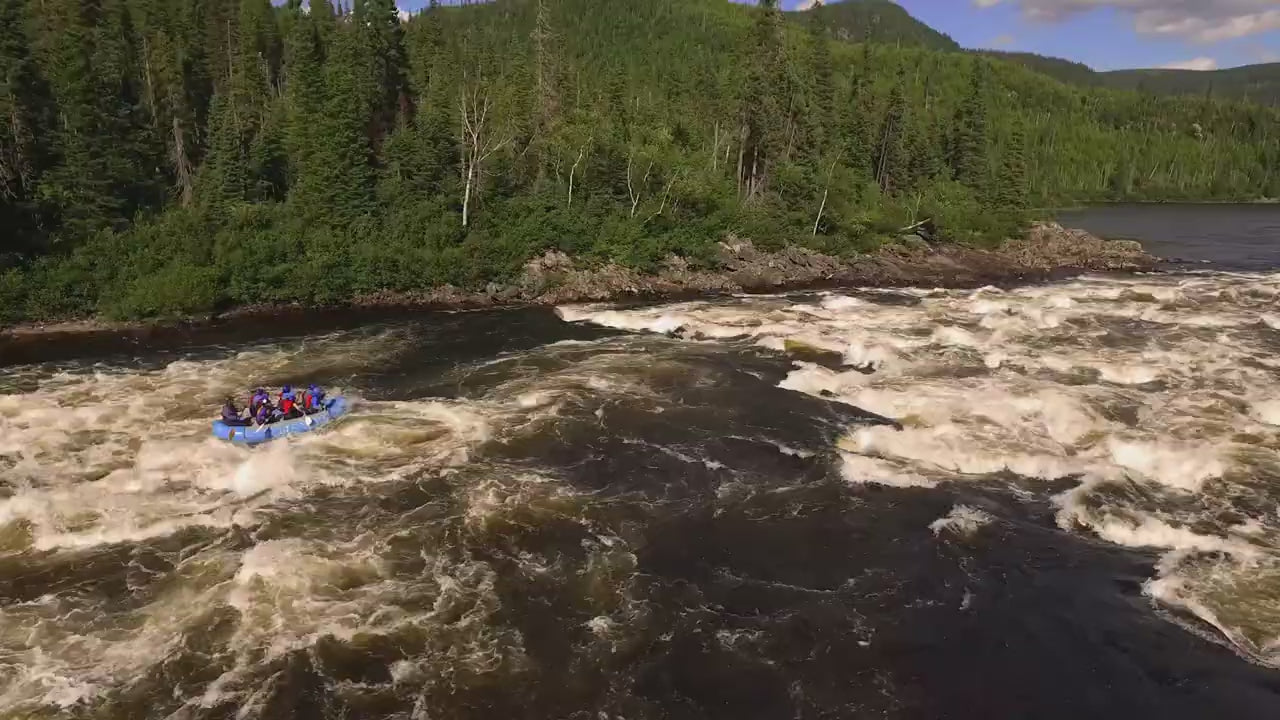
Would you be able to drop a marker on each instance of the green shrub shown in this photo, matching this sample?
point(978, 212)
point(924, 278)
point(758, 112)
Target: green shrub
point(177, 289)
point(13, 296)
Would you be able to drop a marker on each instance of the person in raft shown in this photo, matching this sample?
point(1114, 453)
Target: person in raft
point(264, 413)
point(258, 399)
point(261, 411)
point(231, 414)
point(288, 405)
point(313, 399)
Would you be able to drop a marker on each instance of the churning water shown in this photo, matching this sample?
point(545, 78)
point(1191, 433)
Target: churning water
point(1036, 502)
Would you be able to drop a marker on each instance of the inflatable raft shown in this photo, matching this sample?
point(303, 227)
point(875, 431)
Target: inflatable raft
point(333, 408)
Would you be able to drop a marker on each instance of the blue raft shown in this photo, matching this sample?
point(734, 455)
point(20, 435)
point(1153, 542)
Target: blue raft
point(333, 408)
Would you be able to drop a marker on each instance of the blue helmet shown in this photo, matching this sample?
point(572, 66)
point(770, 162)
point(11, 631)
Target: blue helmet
point(286, 390)
point(313, 388)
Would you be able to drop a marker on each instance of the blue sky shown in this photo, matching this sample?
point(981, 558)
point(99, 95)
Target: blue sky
point(1109, 35)
point(1104, 34)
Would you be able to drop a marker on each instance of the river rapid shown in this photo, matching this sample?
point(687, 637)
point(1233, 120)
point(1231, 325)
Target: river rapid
point(1043, 501)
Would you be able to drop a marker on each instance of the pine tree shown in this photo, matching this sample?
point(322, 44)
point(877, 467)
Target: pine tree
point(1011, 186)
point(970, 143)
point(893, 163)
point(171, 89)
point(763, 110)
point(924, 153)
point(106, 150)
point(324, 19)
point(856, 124)
point(24, 102)
point(268, 156)
point(221, 38)
point(335, 178)
point(304, 95)
point(381, 54)
point(224, 177)
point(260, 42)
point(546, 101)
point(822, 85)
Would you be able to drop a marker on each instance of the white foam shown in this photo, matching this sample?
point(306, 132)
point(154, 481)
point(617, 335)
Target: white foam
point(858, 469)
point(1267, 411)
point(963, 520)
point(1182, 468)
point(842, 302)
point(1054, 381)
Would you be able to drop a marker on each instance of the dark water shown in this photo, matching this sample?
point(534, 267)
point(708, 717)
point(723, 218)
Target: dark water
point(648, 528)
point(1230, 237)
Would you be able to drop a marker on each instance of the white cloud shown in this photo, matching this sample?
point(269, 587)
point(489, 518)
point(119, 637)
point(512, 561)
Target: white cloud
point(1203, 21)
point(1200, 63)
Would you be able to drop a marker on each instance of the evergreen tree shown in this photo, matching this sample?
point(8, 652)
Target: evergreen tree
point(822, 83)
point(324, 19)
point(259, 42)
point(24, 102)
point(304, 96)
point(893, 163)
point(970, 143)
point(763, 111)
point(546, 101)
point(335, 180)
point(1011, 186)
point(381, 53)
point(224, 177)
point(268, 158)
point(221, 38)
point(923, 149)
point(104, 145)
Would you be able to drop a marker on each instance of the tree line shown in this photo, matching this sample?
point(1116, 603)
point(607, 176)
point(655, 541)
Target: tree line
point(166, 156)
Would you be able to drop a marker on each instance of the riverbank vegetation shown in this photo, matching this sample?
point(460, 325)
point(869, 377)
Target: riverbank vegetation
point(174, 156)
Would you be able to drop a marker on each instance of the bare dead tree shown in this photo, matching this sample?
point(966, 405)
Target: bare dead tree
point(636, 195)
point(665, 194)
point(478, 142)
point(826, 190)
point(581, 153)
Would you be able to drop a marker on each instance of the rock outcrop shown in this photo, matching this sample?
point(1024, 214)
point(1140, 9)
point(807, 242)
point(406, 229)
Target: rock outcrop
point(1048, 250)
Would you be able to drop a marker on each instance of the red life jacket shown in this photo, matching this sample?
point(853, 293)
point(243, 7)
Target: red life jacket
point(286, 405)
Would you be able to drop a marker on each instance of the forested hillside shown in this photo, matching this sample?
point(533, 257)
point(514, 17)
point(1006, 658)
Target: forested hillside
point(1259, 83)
point(881, 21)
point(177, 155)
point(1254, 83)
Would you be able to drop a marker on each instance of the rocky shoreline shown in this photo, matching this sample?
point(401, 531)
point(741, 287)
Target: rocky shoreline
point(1048, 251)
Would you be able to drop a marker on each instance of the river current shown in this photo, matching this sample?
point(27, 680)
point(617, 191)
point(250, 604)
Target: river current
point(1039, 501)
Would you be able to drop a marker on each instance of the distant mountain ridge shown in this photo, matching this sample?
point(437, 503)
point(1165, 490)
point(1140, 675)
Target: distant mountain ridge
point(878, 20)
point(887, 22)
point(1259, 83)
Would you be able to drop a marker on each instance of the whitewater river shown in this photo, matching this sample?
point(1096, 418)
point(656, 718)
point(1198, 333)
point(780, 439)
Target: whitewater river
point(1056, 501)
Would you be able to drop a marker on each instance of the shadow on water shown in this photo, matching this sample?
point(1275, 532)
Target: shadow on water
point(446, 336)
